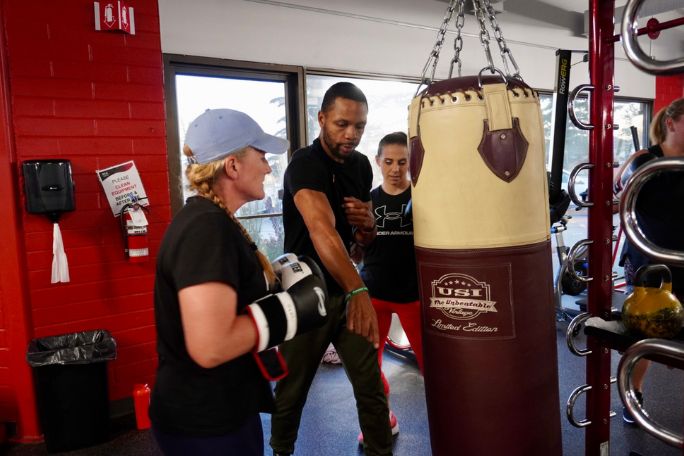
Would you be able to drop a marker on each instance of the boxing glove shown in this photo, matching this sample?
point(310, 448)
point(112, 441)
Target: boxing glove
point(281, 261)
point(294, 271)
point(281, 316)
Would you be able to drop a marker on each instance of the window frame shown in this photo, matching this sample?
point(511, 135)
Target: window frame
point(648, 114)
point(295, 79)
point(175, 64)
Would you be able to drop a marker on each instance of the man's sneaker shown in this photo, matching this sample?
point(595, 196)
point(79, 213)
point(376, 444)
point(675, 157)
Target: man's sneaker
point(394, 424)
point(626, 415)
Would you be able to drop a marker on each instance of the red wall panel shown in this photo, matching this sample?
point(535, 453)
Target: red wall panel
point(668, 88)
point(17, 400)
point(95, 98)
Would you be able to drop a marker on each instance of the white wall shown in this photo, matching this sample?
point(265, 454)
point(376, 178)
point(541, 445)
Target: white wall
point(374, 36)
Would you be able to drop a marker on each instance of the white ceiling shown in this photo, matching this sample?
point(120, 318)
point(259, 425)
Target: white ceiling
point(578, 6)
point(581, 6)
point(572, 14)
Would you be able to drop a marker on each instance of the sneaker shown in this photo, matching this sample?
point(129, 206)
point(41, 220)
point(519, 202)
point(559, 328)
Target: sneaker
point(627, 417)
point(394, 424)
point(330, 356)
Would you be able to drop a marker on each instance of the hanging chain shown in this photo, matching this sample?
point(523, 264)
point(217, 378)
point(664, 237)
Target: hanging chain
point(483, 11)
point(434, 55)
point(458, 41)
point(484, 34)
point(503, 48)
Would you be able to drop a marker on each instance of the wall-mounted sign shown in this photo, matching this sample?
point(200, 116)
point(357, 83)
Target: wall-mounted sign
point(114, 16)
point(122, 185)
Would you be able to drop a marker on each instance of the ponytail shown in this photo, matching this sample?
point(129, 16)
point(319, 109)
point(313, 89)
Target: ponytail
point(658, 130)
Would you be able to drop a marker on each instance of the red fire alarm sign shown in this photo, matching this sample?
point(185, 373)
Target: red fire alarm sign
point(114, 16)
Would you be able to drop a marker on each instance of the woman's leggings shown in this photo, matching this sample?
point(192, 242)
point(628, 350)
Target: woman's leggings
point(246, 441)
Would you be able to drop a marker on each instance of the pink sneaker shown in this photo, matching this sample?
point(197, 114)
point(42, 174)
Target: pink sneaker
point(394, 424)
point(331, 356)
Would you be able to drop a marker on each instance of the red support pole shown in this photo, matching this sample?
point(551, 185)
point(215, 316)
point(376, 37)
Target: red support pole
point(601, 69)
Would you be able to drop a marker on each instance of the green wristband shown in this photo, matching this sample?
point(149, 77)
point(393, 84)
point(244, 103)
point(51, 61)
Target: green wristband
point(351, 294)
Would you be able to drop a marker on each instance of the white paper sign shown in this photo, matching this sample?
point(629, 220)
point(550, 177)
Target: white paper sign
point(122, 185)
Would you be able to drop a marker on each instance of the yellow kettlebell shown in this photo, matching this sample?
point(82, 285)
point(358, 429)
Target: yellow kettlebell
point(652, 310)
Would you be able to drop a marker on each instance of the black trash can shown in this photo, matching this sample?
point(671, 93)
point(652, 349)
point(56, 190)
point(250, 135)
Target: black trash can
point(70, 373)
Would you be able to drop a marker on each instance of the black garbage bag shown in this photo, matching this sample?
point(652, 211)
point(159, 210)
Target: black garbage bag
point(77, 348)
point(72, 394)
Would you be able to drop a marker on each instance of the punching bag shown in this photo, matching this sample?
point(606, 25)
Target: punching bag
point(482, 239)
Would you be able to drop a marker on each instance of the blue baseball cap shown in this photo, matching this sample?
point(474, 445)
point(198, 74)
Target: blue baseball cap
point(217, 133)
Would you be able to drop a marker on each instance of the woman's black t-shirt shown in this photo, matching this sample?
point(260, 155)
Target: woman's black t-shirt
point(201, 245)
point(660, 214)
point(389, 262)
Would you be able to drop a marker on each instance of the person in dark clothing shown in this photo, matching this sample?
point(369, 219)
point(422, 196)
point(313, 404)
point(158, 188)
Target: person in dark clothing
point(326, 209)
point(659, 208)
point(389, 262)
point(217, 310)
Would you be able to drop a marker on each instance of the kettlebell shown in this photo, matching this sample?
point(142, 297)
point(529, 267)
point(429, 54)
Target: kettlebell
point(652, 310)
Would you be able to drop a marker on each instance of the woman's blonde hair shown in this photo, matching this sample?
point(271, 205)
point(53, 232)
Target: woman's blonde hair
point(201, 179)
point(658, 130)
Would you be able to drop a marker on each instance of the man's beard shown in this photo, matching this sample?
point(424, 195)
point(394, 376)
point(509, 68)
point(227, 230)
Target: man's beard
point(334, 148)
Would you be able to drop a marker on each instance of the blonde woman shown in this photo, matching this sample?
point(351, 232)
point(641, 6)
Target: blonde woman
point(216, 308)
point(659, 208)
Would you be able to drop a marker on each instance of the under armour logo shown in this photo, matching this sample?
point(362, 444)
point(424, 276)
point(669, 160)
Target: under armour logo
point(381, 215)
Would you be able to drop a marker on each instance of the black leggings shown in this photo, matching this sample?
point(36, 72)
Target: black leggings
point(246, 441)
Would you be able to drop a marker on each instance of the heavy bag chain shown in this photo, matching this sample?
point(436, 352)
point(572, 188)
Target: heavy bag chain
point(458, 41)
point(483, 11)
point(433, 58)
point(503, 48)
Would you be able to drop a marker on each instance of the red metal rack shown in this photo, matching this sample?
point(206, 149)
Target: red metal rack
point(600, 218)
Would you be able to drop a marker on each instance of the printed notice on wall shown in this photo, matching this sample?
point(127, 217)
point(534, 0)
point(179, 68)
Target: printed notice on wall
point(122, 185)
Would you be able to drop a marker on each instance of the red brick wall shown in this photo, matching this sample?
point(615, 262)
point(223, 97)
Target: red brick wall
point(95, 98)
point(668, 88)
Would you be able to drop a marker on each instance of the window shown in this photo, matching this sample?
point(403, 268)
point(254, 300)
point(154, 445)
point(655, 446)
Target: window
point(625, 114)
point(201, 84)
point(272, 94)
point(388, 103)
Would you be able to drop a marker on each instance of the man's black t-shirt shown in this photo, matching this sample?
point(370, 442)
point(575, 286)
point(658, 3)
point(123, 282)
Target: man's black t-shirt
point(660, 213)
point(201, 245)
point(389, 262)
point(311, 168)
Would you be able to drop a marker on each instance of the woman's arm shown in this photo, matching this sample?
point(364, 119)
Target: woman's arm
point(214, 333)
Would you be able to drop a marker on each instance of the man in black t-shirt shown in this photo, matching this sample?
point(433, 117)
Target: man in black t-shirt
point(326, 209)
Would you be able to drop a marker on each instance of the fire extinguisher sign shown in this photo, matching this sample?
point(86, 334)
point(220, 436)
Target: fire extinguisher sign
point(114, 16)
point(122, 185)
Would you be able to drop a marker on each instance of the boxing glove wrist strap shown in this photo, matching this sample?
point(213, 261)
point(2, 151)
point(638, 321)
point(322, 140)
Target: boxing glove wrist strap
point(352, 293)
